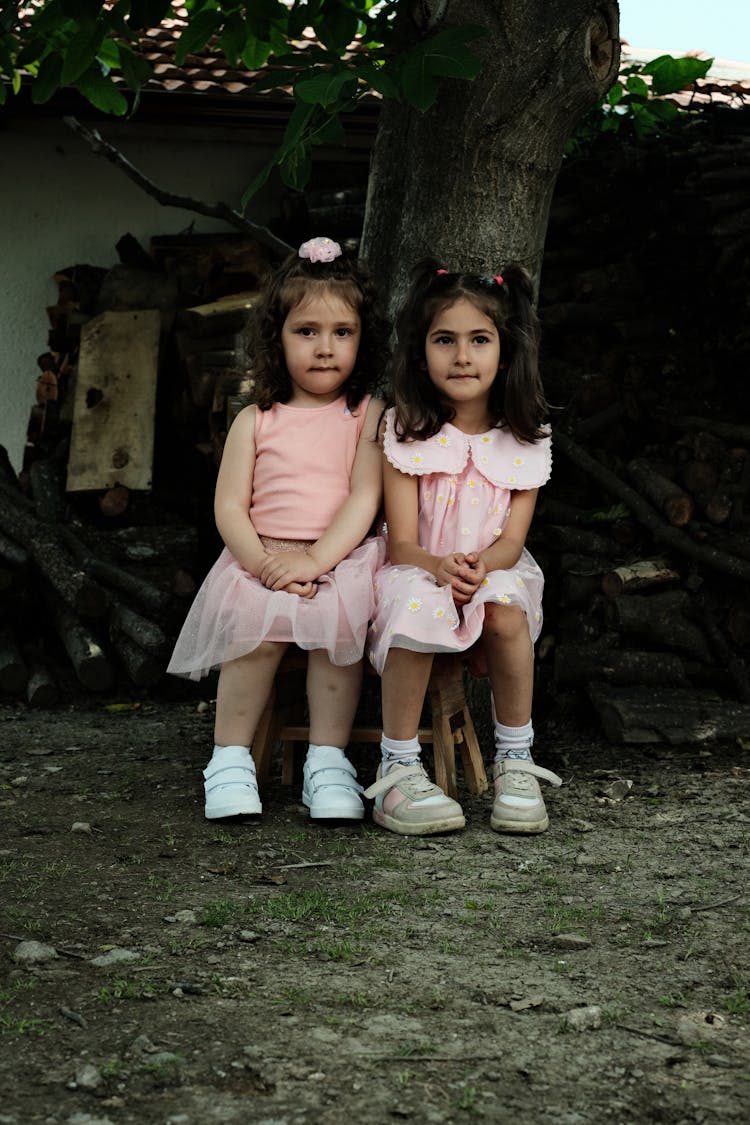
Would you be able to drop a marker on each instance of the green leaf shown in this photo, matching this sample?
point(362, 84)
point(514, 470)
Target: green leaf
point(324, 87)
point(197, 34)
point(331, 132)
point(109, 53)
point(664, 111)
point(377, 78)
point(419, 86)
point(47, 80)
point(336, 29)
point(615, 94)
point(637, 86)
point(669, 74)
point(256, 184)
point(81, 52)
point(255, 54)
point(102, 92)
point(136, 70)
point(148, 13)
point(234, 38)
point(296, 167)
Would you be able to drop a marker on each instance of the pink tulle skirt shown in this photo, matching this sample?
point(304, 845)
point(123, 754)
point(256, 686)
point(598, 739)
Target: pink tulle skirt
point(234, 612)
point(413, 612)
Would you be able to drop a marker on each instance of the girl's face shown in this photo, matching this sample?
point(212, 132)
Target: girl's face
point(320, 339)
point(462, 351)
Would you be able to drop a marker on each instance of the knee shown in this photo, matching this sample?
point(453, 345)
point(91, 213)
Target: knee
point(504, 622)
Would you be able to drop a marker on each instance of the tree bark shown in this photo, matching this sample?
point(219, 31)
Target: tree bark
point(471, 179)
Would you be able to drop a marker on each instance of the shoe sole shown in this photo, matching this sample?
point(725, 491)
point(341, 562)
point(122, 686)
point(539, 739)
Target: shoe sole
point(226, 812)
point(430, 828)
point(331, 812)
point(519, 827)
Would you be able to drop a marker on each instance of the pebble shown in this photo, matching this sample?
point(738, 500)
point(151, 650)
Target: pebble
point(33, 952)
point(115, 957)
point(571, 941)
point(81, 826)
point(87, 1077)
point(584, 1019)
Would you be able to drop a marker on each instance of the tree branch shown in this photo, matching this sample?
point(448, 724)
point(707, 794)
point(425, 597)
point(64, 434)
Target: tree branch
point(222, 211)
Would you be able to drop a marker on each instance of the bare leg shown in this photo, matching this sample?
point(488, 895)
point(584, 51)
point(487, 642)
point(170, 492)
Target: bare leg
point(510, 661)
point(404, 684)
point(332, 696)
point(244, 687)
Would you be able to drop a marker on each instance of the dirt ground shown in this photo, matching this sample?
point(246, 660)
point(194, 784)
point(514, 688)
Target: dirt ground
point(279, 972)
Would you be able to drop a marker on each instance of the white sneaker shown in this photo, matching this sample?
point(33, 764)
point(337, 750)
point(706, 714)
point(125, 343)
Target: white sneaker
point(231, 786)
point(330, 789)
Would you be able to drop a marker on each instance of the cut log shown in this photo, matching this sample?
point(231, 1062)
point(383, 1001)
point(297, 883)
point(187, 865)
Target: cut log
point(41, 690)
point(146, 634)
point(674, 504)
point(659, 619)
point(577, 665)
point(143, 668)
point(676, 716)
point(642, 575)
point(91, 665)
point(112, 440)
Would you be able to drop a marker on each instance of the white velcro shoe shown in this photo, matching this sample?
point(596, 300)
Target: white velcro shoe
point(230, 784)
point(330, 789)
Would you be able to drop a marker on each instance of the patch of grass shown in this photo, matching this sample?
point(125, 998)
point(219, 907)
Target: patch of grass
point(327, 907)
point(164, 889)
point(738, 1002)
point(221, 911)
point(120, 988)
point(337, 950)
point(671, 1001)
point(414, 1050)
point(353, 1000)
point(112, 1068)
point(468, 1098)
point(23, 1025)
point(226, 839)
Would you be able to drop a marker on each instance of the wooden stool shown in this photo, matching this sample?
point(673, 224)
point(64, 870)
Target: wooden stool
point(452, 726)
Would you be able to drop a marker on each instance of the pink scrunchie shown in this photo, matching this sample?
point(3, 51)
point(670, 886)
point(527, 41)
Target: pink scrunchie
point(320, 250)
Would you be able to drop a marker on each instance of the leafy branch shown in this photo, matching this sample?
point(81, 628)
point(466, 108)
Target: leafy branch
point(98, 51)
point(636, 106)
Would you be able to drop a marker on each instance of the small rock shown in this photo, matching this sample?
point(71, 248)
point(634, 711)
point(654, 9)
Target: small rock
point(81, 826)
point(19, 782)
point(88, 1077)
point(616, 790)
point(33, 953)
point(88, 1119)
point(584, 1019)
point(571, 941)
point(186, 917)
point(115, 957)
point(248, 936)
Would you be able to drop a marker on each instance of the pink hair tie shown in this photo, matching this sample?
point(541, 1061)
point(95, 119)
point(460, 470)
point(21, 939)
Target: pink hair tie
point(441, 271)
point(498, 279)
point(320, 250)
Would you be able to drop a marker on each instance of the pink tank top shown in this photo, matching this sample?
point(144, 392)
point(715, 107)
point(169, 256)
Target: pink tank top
point(303, 467)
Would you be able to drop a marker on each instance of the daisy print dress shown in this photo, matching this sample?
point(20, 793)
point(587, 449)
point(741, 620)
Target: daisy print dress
point(466, 484)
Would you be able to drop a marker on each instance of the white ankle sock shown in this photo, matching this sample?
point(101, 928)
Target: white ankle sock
point(218, 750)
point(404, 752)
point(514, 742)
point(313, 748)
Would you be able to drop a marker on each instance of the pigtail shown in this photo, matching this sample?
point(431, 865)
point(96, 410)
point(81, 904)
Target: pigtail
point(524, 404)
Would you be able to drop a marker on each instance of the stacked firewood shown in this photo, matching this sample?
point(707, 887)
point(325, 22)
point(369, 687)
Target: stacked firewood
point(643, 531)
point(645, 526)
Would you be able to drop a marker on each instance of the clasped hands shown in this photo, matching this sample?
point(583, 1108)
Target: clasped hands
point(463, 573)
point(294, 572)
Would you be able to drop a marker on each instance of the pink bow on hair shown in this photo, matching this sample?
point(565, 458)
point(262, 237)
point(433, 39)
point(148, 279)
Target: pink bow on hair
point(320, 250)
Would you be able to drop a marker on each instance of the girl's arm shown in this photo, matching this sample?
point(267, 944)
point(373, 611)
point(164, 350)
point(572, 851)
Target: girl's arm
point(234, 487)
point(506, 550)
point(350, 524)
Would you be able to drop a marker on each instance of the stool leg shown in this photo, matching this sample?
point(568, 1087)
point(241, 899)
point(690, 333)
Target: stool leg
point(266, 737)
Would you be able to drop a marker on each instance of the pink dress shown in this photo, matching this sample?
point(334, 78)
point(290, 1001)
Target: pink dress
point(466, 483)
point(234, 612)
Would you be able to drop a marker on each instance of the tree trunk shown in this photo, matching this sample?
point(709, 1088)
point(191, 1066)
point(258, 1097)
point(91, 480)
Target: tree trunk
point(471, 179)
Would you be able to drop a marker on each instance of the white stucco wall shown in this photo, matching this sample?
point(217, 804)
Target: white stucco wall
point(60, 205)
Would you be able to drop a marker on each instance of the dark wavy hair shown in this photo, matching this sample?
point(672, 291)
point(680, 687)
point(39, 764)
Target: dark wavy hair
point(296, 279)
point(516, 398)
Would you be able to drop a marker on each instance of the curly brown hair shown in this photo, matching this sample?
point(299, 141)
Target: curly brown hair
point(516, 397)
point(296, 279)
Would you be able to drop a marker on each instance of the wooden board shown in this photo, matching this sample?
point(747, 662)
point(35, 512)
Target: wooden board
point(112, 440)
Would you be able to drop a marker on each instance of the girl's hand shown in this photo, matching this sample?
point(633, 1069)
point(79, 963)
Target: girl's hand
point(302, 589)
point(455, 571)
point(286, 567)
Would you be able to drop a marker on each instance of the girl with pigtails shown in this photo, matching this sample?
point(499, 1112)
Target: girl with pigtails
point(465, 452)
